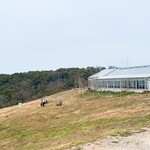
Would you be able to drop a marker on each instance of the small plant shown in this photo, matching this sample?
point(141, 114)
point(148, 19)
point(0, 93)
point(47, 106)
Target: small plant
point(140, 131)
point(78, 148)
point(123, 134)
point(115, 142)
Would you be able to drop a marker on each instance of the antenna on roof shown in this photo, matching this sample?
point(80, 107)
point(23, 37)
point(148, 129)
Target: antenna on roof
point(121, 62)
point(125, 62)
point(128, 61)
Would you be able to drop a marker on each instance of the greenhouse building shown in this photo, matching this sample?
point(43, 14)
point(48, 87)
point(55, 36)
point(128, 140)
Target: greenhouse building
point(135, 79)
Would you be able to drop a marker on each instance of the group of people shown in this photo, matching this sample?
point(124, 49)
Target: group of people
point(43, 102)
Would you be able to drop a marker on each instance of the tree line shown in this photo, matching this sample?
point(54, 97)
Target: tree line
point(24, 87)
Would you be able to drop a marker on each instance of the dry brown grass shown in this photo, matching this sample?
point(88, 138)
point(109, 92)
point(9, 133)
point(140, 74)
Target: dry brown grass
point(83, 117)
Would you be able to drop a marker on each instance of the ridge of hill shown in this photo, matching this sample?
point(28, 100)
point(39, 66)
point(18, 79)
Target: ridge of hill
point(84, 116)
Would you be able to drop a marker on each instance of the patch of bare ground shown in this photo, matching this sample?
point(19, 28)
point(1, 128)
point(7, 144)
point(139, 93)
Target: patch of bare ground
point(139, 140)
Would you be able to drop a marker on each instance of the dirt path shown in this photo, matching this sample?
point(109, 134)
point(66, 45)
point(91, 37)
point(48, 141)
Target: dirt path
point(137, 141)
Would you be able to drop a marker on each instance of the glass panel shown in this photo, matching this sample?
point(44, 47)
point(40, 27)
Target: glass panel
point(116, 84)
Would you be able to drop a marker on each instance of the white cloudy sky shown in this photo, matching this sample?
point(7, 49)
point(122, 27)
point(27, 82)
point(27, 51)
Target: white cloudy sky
point(52, 34)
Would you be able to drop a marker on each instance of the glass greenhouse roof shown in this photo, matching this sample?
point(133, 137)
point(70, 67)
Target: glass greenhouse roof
point(130, 72)
point(102, 73)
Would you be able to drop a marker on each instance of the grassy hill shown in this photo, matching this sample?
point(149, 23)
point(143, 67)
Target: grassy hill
point(28, 86)
point(84, 116)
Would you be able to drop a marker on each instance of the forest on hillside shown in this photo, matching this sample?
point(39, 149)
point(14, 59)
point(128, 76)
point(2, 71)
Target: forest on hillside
point(24, 87)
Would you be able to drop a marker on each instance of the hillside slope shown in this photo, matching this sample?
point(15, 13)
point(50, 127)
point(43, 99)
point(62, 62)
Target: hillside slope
point(84, 116)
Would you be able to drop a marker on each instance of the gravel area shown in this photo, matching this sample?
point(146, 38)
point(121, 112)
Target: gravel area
point(137, 141)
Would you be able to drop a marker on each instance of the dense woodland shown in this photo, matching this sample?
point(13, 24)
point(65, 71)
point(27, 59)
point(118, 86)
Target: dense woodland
point(23, 87)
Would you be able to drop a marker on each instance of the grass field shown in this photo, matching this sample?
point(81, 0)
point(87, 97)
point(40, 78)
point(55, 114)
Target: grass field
point(85, 116)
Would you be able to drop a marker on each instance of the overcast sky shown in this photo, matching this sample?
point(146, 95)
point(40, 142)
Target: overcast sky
point(52, 34)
